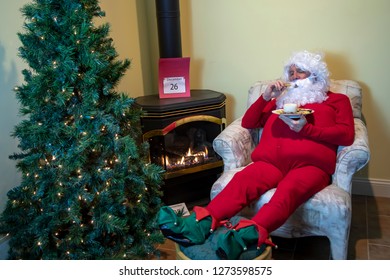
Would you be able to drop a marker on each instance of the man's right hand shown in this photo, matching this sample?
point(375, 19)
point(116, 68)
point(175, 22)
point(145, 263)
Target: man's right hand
point(274, 90)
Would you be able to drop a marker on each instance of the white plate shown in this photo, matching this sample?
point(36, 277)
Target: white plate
point(297, 115)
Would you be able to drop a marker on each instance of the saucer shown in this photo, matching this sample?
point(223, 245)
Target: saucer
point(297, 115)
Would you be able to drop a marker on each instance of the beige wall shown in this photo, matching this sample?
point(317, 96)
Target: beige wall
point(232, 44)
point(123, 18)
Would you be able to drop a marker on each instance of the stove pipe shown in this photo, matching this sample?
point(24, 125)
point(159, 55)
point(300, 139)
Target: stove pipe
point(168, 24)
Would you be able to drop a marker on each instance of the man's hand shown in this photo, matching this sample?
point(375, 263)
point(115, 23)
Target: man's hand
point(274, 90)
point(294, 125)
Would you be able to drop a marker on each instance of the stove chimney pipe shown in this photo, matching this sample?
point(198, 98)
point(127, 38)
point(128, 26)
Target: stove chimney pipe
point(168, 24)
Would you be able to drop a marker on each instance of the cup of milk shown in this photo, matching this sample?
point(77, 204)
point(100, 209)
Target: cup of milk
point(290, 108)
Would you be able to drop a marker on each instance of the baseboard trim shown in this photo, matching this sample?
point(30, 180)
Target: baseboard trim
point(371, 187)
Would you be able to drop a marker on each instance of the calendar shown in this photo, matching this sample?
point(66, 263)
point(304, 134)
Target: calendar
point(174, 80)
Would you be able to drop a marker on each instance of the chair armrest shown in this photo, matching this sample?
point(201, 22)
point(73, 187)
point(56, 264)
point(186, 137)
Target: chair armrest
point(235, 145)
point(351, 159)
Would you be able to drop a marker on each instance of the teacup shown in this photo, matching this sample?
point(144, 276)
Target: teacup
point(290, 108)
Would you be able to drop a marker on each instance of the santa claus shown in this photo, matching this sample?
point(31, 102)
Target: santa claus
point(295, 156)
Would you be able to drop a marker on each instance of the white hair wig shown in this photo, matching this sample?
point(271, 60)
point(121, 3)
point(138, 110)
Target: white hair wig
point(312, 62)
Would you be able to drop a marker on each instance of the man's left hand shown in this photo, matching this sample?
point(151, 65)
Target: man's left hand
point(294, 125)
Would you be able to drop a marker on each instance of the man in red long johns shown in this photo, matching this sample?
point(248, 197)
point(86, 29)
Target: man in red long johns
point(295, 156)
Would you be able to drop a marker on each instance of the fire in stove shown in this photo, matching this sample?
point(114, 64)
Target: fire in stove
point(190, 159)
point(183, 148)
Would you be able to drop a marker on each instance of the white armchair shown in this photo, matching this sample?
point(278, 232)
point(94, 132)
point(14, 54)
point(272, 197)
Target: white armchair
point(327, 213)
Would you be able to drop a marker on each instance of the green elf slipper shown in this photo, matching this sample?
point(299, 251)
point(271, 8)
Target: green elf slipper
point(186, 231)
point(240, 238)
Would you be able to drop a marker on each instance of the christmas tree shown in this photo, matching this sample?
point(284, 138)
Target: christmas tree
point(87, 188)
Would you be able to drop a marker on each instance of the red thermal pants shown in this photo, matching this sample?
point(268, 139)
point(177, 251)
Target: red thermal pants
point(292, 189)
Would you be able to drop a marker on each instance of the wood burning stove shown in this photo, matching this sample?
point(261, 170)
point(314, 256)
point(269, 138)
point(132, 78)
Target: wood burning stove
point(180, 132)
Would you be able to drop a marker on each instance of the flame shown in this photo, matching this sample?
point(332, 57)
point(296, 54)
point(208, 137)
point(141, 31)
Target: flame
point(190, 158)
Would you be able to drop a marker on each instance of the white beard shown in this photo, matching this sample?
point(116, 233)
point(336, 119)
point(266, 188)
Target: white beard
point(302, 92)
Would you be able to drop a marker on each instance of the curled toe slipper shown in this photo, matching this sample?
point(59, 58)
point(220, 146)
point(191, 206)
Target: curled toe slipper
point(183, 230)
point(246, 234)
